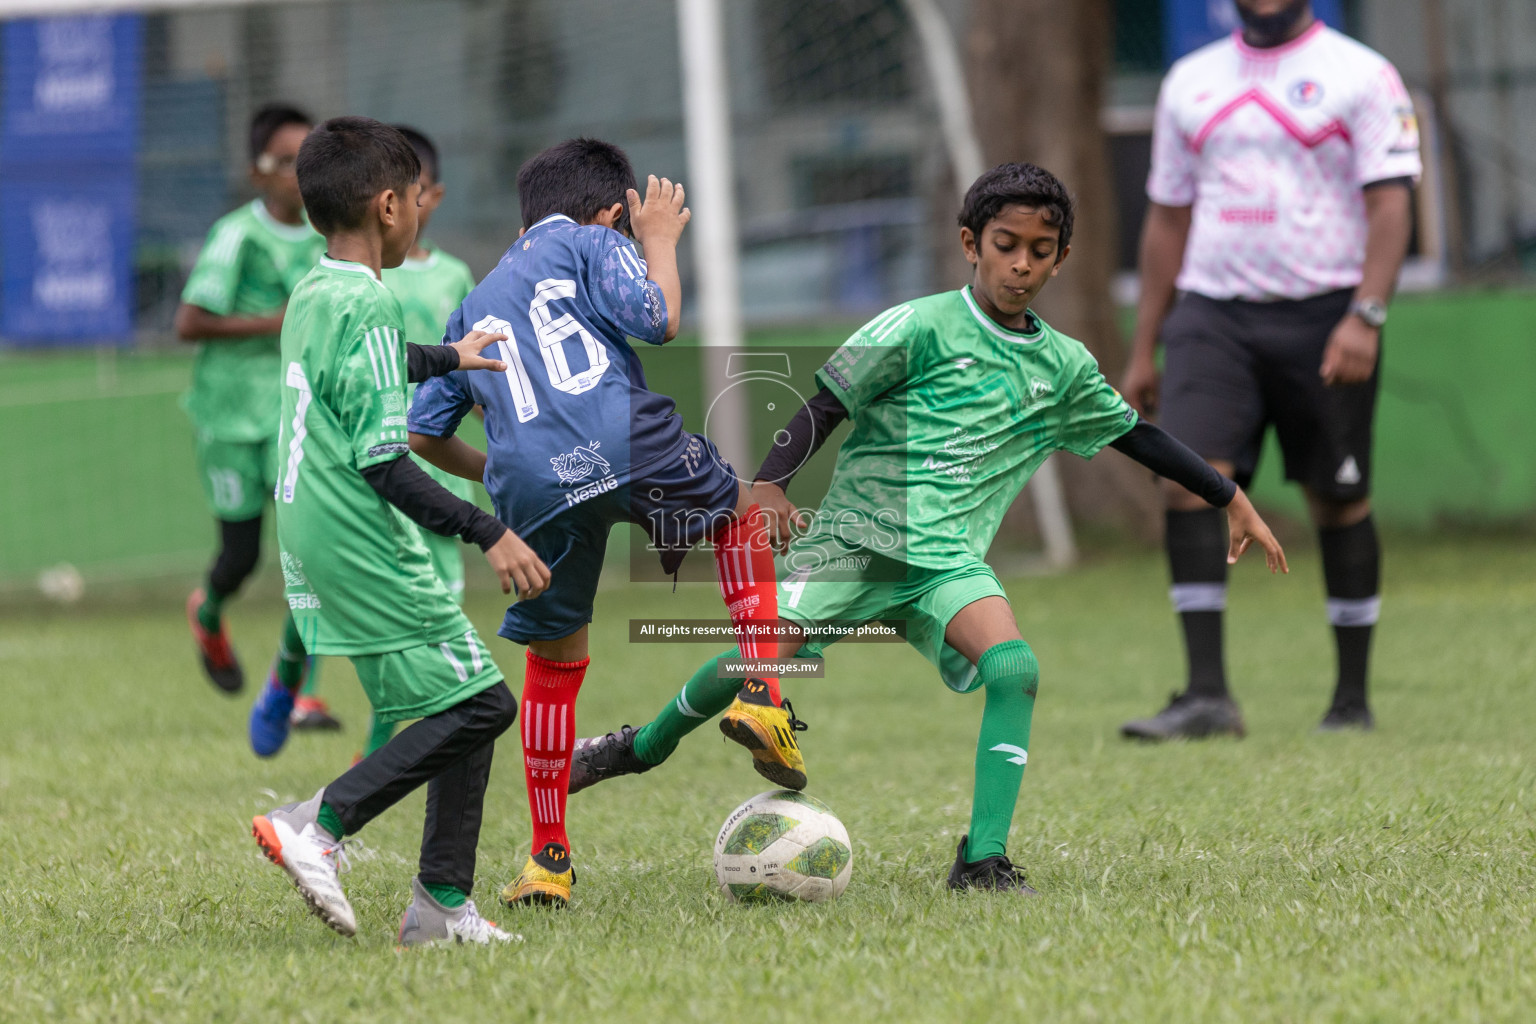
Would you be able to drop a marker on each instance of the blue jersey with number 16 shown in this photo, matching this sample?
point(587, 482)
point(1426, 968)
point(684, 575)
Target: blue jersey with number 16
point(571, 418)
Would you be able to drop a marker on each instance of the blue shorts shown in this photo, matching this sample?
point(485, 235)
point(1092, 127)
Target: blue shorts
point(679, 501)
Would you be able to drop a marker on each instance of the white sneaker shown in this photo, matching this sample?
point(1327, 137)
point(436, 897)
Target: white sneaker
point(429, 923)
point(310, 856)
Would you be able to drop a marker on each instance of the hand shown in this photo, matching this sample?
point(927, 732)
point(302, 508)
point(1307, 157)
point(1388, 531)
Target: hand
point(470, 358)
point(1245, 526)
point(1139, 385)
point(783, 517)
point(515, 563)
point(662, 217)
point(1350, 357)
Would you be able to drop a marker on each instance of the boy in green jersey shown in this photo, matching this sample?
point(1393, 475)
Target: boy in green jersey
point(955, 399)
point(357, 576)
point(232, 307)
point(430, 284)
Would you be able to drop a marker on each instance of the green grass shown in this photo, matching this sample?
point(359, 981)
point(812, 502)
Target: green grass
point(1287, 877)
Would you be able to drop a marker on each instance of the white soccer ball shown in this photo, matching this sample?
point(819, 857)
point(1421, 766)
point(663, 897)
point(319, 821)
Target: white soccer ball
point(61, 584)
point(783, 845)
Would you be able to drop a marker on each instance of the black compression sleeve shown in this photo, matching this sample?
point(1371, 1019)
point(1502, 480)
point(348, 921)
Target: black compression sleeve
point(806, 432)
point(425, 502)
point(423, 361)
point(1166, 456)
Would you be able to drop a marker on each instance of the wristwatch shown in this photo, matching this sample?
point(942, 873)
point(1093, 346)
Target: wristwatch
point(1372, 311)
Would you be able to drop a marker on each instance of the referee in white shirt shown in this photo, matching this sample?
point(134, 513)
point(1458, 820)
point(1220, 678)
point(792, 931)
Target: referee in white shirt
point(1283, 160)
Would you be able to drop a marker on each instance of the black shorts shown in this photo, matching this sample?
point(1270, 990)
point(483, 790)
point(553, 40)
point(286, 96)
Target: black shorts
point(1233, 368)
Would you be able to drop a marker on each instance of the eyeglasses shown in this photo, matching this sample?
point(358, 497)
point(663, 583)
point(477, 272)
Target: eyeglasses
point(268, 163)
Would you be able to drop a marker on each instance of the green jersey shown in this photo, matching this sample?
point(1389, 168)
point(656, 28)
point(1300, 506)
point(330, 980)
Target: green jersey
point(429, 291)
point(357, 575)
point(952, 413)
point(248, 267)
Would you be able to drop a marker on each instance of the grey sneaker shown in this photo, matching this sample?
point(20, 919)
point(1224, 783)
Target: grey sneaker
point(1189, 716)
point(427, 923)
point(292, 839)
point(605, 757)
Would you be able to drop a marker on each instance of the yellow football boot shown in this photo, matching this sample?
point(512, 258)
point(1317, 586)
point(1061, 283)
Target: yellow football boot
point(546, 880)
point(769, 732)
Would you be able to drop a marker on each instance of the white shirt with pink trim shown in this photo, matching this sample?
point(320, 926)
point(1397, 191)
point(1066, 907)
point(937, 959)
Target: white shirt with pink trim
point(1272, 148)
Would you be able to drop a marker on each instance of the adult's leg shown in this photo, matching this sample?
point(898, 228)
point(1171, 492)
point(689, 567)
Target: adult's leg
point(1195, 538)
point(1352, 572)
point(1213, 400)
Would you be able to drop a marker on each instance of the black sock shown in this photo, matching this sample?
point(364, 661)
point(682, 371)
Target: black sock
point(1197, 560)
point(239, 550)
point(1352, 570)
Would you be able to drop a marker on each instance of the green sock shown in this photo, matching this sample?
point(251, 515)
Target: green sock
point(290, 655)
point(703, 697)
point(379, 733)
point(450, 896)
point(211, 612)
point(312, 680)
point(330, 821)
point(1010, 674)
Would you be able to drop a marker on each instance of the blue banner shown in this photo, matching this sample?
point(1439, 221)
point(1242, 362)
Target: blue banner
point(69, 140)
point(1190, 24)
point(67, 241)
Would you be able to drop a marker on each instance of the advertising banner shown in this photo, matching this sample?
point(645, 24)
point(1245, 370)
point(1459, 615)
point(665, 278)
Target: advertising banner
point(69, 139)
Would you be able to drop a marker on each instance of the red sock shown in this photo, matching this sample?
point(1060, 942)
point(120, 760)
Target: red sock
point(549, 734)
point(744, 566)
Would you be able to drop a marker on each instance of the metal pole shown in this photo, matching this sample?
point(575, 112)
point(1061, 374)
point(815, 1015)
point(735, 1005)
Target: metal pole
point(942, 57)
point(717, 257)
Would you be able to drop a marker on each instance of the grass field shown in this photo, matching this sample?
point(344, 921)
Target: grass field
point(1291, 876)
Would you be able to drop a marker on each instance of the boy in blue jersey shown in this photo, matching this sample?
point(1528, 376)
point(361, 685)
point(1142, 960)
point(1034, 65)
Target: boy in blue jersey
point(576, 443)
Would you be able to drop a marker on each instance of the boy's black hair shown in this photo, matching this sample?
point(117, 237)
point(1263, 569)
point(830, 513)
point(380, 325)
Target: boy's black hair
point(1022, 184)
point(347, 161)
point(579, 178)
point(266, 121)
point(425, 151)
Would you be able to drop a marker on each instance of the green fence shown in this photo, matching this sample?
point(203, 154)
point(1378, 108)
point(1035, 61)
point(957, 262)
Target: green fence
point(97, 460)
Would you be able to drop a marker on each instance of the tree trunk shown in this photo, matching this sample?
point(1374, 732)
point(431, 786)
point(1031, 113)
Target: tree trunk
point(1037, 78)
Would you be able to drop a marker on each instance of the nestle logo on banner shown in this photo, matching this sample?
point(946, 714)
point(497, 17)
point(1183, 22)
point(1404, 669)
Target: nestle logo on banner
point(75, 58)
point(74, 255)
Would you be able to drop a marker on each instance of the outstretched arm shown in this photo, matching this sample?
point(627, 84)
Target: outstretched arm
point(797, 442)
point(1166, 456)
point(423, 361)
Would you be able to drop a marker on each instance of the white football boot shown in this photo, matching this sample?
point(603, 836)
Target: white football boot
point(429, 923)
point(294, 841)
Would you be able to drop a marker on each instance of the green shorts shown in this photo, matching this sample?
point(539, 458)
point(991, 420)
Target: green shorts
point(237, 476)
point(421, 681)
point(833, 587)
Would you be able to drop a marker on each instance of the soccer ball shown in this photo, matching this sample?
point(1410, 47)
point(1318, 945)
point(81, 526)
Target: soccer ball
point(782, 845)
